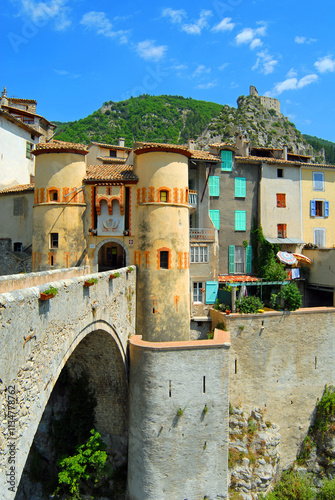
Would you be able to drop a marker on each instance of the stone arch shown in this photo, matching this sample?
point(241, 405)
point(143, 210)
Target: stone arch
point(98, 352)
point(101, 244)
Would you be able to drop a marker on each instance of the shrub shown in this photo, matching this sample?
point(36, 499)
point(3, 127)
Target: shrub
point(292, 486)
point(328, 490)
point(249, 305)
point(291, 296)
point(325, 409)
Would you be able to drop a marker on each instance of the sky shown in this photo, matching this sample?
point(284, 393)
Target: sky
point(73, 55)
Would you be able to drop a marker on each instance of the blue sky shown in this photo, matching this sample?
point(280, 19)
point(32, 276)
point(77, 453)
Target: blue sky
point(72, 55)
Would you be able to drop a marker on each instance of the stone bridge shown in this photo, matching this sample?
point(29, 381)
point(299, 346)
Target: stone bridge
point(38, 337)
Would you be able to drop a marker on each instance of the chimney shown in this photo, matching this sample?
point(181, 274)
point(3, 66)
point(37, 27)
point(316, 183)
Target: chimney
point(285, 152)
point(190, 144)
point(4, 100)
point(242, 144)
point(121, 142)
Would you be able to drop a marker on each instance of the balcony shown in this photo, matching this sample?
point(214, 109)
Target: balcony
point(193, 200)
point(202, 234)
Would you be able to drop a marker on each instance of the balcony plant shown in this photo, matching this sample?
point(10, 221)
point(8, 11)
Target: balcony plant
point(114, 275)
point(90, 282)
point(49, 293)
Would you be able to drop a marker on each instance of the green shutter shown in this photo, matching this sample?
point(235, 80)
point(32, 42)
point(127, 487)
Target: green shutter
point(240, 220)
point(226, 161)
point(211, 291)
point(248, 259)
point(215, 216)
point(214, 185)
point(240, 187)
point(231, 259)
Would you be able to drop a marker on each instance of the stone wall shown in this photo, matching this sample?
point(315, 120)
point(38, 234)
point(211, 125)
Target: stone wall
point(178, 423)
point(13, 262)
point(281, 361)
point(37, 338)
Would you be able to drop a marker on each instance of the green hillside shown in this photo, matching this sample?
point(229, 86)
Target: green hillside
point(145, 118)
point(318, 143)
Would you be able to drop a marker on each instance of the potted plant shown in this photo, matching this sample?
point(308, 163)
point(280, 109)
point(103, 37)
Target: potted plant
point(129, 269)
point(228, 311)
point(114, 275)
point(49, 293)
point(90, 282)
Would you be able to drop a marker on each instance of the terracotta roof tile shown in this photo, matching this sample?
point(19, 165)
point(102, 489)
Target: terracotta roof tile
point(20, 188)
point(60, 147)
point(258, 159)
point(110, 159)
point(110, 173)
point(145, 147)
point(109, 146)
point(222, 145)
point(203, 155)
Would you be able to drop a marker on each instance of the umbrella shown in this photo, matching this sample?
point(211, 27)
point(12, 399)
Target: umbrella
point(287, 258)
point(302, 258)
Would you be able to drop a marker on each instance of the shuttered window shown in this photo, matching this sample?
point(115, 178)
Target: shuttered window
point(319, 237)
point(214, 185)
point(211, 291)
point(318, 181)
point(281, 231)
point(226, 161)
point(240, 220)
point(240, 187)
point(319, 208)
point(281, 200)
point(215, 216)
point(239, 259)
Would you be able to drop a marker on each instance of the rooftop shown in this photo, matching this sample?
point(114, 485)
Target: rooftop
point(20, 188)
point(60, 147)
point(110, 173)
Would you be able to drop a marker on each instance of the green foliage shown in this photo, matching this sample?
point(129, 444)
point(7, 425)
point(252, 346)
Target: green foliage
point(306, 448)
point(318, 143)
point(221, 326)
point(327, 491)
point(92, 280)
point(292, 297)
point(252, 426)
point(85, 470)
point(264, 259)
point(325, 409)
point(51, 290)
point(249, 305)
point(292, 486)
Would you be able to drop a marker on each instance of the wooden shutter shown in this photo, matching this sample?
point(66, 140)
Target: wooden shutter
point(231, 259)
point(326, 208)
point(313, 208)
point(211, 291)
point(240, 187)
point(215, 216)
point(214, 185)
point(240, 220)
point(226, 161)
point(248, 252)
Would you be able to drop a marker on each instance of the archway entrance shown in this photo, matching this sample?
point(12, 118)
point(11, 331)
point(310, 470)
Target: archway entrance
point(111, 256)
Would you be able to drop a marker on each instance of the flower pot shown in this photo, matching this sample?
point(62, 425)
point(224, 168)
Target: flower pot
point(46, 296)
point(228, 311)
point(88, 283)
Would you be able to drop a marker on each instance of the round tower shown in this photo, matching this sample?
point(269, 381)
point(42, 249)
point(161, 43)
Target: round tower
point(162, 243)
point(59, 236)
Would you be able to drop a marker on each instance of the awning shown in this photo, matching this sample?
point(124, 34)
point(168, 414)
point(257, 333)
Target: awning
point(285, 241)
point(302, 258)
point(287, 258)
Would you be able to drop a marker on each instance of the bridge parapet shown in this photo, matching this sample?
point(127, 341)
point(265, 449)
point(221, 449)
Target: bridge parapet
point(37, 337)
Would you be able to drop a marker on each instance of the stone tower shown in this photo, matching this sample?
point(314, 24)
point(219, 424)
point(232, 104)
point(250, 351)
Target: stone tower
point(162, 248)
point(59, 238)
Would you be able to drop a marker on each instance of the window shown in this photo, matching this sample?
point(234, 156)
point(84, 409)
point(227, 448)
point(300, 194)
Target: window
point(240, 220)
point(240, 259)
point(198, 295)
point(163, 196)
point(226, 161)
point(214, 185)
point(164, 259)
point(215, 216)
point(280, 172)
point(318, 181)
point(18, 247)
point(281, 231)
point(53, 240)
point(18, 206)
point(240, 187)
point(53, 195)
point(199, 254)
point(112, 153)
point(319, 208)
point(281, 200)
point(29, 148)
point(319, 237)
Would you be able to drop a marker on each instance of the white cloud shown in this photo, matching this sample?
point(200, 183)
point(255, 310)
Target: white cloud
point(41, 12)
point(63, 72)
point(265, 62)
point(176, 16)
point(304, 39)
point(201, 70)
point(99, 22)
point(148, 50)
point(294, 83)
point(251, 36)
point(234, 85)
point(206, 86)
point(223, 66)
point(224, 25)
point(324, 64)
point(292, 73)
point(199, 25)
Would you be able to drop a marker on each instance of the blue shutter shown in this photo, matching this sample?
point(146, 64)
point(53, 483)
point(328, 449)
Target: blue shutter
point(326, 208)
point(231, 259)
point(240, 187)
point(240, 220)
point(214, 185)
point(313, 208)
point(248, 259)
point(215, 216)
point(227, 161)
point(211, 291)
